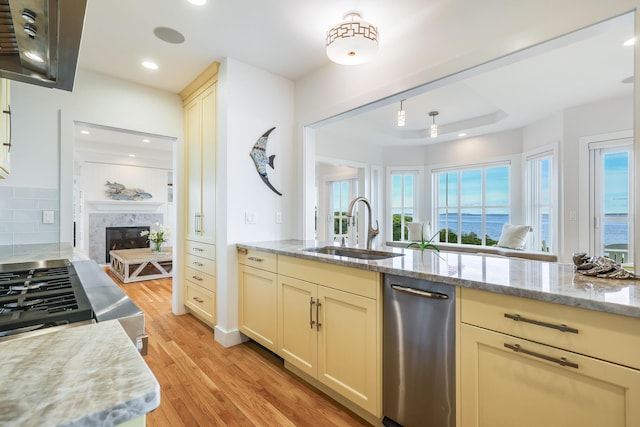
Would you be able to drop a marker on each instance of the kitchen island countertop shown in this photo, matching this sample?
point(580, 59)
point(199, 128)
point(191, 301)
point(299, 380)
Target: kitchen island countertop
point(90, 375)
point(545, 281)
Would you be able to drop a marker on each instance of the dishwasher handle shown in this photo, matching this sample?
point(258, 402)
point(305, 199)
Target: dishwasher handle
point(419, 292)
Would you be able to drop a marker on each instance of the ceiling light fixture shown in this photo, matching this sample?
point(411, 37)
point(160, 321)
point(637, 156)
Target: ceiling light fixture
point(461, 134)
point(434, 126)
point(132, 155)
point(84, 132)
point(401, 115)
point(197, 2)
point(150, 65)
point(353, 41)
point(146, 140)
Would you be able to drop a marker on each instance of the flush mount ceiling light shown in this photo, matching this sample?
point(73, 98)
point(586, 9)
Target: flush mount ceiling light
point(401, 115)
point(353, 41)
point(434, 126)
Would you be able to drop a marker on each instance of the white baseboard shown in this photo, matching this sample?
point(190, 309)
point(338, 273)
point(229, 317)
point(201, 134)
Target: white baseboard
point(228, 338)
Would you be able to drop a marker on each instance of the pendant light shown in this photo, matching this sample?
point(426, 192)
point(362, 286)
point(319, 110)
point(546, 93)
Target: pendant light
point(401, 115)
point(434, 126)
point(352, 41)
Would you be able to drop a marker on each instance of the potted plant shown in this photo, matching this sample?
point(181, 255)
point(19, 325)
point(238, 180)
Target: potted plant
point(157, 235)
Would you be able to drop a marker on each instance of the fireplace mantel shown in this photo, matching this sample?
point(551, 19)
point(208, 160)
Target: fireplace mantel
point(121, 206)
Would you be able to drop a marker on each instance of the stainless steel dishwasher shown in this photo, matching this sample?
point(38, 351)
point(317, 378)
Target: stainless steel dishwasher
point(419, 353)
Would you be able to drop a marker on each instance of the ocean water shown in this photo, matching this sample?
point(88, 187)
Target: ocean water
point(613, 232)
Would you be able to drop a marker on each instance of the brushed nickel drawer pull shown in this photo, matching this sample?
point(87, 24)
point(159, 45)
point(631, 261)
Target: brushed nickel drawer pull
point(198, 300)
point(311, 322)
point(196, 277)
point(560, 361)
point(561, 328)
point(318, 324)
point(252, 258)
point(199, 264)
point(243, 251)
point(419, 292)
point(198, 249)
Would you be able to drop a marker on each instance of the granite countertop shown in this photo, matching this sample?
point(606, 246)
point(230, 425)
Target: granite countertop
point(546, 281)
point(89, 375)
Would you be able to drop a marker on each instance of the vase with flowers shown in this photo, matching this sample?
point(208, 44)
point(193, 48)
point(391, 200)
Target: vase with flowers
point(157, 235)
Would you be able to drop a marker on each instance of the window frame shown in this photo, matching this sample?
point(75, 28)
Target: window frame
point(418, 173)
point(483, 207)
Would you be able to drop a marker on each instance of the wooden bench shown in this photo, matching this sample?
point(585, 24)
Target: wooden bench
point(134, 265)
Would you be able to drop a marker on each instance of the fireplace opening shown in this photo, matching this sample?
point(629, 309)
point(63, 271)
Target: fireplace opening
point(124, 238)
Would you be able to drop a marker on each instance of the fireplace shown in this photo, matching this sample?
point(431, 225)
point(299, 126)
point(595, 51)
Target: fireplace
point(124, 238)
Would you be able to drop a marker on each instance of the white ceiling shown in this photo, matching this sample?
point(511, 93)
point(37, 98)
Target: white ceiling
point(286, 37)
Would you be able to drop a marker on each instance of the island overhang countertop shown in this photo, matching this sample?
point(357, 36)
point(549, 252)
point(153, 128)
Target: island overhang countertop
point(90, 375)
point(545, 281)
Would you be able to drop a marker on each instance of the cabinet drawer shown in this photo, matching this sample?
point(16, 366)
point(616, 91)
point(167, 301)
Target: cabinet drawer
point(603, 335)
point(201, 301)
point(204, 280)
point(353, 280)
point(201, 264)
point(258, 259)
point(201, 249)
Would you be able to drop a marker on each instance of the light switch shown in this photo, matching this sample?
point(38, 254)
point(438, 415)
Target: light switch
point(47, 217)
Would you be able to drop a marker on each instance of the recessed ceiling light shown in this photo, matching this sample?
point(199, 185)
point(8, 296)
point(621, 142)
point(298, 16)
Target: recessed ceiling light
point(132, 155)
point(84, 132)
point(33, 56)
point(197, 2)
point(630, 42)
point(462, 134)
point(146, 140)
point(150, 65)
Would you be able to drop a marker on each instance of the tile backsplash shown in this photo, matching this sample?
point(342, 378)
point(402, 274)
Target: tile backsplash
point(21, 212)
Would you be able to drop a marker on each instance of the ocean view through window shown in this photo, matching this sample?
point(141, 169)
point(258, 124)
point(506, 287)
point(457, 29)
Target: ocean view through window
point(472, 204)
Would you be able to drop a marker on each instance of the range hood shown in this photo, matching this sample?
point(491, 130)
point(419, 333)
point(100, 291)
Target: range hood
point(40, 41)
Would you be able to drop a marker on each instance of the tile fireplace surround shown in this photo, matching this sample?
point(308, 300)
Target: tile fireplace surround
point(98, 223)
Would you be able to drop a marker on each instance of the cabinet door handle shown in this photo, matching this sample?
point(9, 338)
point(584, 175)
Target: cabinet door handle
point(199, 264)
point(318, 324)
point(560, 361)
point(196, 277)
point(243, 251)
point(561, 328)
point(311, 303)
point(197, 224)
point(8, 111)
point(198, 249)
point(252, 258)
point(198, 300)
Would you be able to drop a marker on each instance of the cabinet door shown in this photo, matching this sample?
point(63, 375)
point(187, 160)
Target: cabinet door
point(504, 388)
point(193, 146)
point(5, 129)
point(298, 339)
point(208, 179)
point(257, 310)
point(347, 346)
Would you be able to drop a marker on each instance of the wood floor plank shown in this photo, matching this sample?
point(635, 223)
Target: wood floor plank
point(205, 384)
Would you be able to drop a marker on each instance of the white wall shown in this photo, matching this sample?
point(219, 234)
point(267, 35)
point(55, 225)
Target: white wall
point(463, 36)
point(251, 101)
point(42, 155)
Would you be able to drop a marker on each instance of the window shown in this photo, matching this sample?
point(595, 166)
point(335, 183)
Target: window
point(540, 210)
point(404, 200)
point(341, 193)
point(612, 204)
point(472, 204)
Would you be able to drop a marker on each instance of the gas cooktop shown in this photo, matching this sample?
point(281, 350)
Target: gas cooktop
point(41, 294)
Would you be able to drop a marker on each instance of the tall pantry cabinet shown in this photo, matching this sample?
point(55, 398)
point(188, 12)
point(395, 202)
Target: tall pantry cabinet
point(199, 99)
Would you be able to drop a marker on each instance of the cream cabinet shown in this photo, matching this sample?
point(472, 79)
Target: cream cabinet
point(257, 297)
point(199, 267)
point(531, 363)
point(5, 129)
point(329, 327)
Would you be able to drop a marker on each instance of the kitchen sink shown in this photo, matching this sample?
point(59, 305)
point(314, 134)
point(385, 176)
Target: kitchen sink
point(367, 254)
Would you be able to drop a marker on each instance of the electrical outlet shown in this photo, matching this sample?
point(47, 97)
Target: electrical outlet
point(278, 217)
point(47, 217)
point(249, 217)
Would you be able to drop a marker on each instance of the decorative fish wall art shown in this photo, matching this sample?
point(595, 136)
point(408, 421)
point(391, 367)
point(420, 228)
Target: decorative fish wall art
point(259, 155)
point(117, 191)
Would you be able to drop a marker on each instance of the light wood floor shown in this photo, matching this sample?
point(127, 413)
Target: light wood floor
point(204, 384)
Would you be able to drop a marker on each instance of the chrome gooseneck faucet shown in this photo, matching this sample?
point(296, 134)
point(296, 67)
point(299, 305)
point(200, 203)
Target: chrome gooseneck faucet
point(373, 232)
